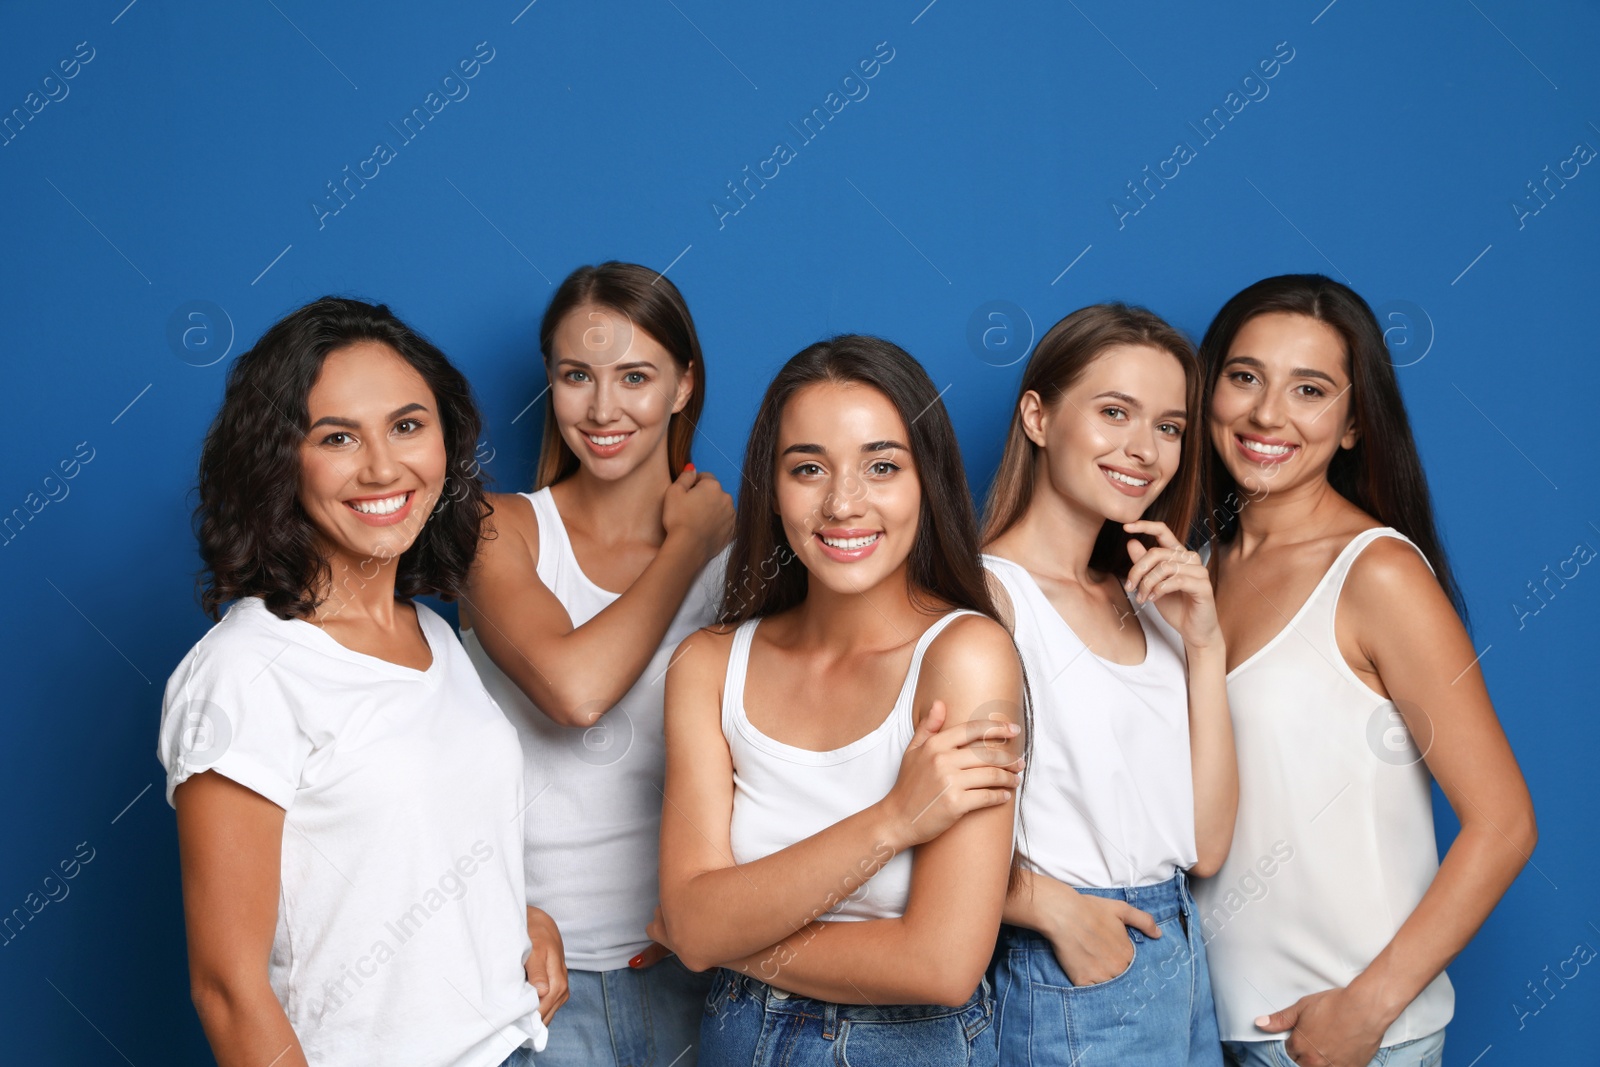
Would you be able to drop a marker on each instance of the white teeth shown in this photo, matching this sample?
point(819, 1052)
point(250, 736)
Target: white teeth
point(1125, 479)
point(1266, 450)
point(608, 439)
point(848, 543)
point(386, 506)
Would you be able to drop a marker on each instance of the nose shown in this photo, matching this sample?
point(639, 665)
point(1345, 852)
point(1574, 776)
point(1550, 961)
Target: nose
point(1141, 443)
point(1267, 411)
point(845, 497)
point(603, 403)
point(378, 465)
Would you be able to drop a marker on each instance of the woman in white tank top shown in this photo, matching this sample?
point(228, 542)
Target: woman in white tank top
point(1131, 785)
point(842, 864)
point(578, 595)
point(1354, 685)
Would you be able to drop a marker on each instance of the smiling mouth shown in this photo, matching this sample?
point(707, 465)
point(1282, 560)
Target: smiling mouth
point(386, 505)
point(606, 440)
point(1125, 479)
point(1264, 450)
point(849, 544)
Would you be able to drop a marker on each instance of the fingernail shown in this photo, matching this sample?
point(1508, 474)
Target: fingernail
point(688, 466)
point(1013, 728)
point(637, 960)
point(1261, 1020)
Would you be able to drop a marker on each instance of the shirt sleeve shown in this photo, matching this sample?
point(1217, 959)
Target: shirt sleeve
point(227, 709)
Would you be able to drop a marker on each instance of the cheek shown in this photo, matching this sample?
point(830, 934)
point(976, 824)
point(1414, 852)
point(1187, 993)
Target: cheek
point(570, 402)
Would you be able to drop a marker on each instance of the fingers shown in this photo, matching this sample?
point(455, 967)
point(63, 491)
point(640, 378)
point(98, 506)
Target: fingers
point(1159, 530)
point(1164, 570)
point(1279, 1021)
point(975, 732)
point(654, 953)
point(929, 725)
point(1141, 921)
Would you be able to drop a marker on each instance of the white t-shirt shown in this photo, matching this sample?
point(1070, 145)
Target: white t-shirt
point(401, 925)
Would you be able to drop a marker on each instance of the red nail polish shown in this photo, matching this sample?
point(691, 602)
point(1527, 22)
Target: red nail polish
point(688, 466)
point(637, 960)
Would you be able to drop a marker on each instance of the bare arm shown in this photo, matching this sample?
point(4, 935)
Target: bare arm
point(1174, 579)
point(937, 951)
point(1408, 630)
point(575, 674)
point(714, 911)
point(230, 840)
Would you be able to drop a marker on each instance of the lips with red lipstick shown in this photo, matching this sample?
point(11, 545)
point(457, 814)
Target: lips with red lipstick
point(1265, 451)
point(384, 510)
point(847, 545)
point(1127, 481)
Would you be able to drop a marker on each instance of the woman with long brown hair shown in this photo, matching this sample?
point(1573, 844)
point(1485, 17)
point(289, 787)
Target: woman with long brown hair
point(1132, 785)
point(579, 593)
point(840, 858)
point(1354, 686)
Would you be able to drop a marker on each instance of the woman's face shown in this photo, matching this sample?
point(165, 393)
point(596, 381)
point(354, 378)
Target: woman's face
point(848, 493)
point(614, 390)
point(1282, 408)
point(372, 466)
point(1113, 440)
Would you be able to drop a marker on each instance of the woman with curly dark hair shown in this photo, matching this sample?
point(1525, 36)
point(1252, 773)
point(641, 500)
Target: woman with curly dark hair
point(352, 864)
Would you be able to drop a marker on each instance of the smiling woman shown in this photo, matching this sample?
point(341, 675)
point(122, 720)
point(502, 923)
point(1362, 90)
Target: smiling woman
point(344, 711)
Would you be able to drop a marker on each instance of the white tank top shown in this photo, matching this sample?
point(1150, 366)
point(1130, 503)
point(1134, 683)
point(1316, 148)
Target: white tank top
point(593, 822)
point(783, 794)
point(1334, 844)
point(1109, 797)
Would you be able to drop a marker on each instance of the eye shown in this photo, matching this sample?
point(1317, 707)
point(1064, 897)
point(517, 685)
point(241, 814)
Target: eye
point(882, 468)
point(1310, 391)
point(806, 470)
point(407, 426)
point(575, 376)
point(1241, 377)
point(1114, 412)
point(635, 377)
point(1171, 429)
point(338, 439)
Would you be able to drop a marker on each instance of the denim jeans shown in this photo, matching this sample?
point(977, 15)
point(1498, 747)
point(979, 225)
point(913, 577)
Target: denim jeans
point(1156, 1013)
point(1421, 1052)
point(750, 1024)
point(626, 1018)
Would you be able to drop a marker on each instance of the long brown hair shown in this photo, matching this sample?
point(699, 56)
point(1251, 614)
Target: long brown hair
point(1382, 475)
point(765, 577)
point(652, 304)
point(1064, 353)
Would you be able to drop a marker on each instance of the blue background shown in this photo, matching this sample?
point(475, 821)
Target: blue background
point(182, 163)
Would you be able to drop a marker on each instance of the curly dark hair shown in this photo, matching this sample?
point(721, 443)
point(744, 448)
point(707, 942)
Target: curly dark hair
point(255, 538)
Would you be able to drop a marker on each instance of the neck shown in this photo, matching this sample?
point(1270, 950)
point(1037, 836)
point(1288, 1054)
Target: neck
point(1055, 536)
point(626, 509)
point(357, 591)
point(1289, 515)
point(880, 617)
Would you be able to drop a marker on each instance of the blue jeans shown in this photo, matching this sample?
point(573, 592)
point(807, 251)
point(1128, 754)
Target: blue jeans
point(1421, 1052)
point(750, 1024)
point(1156, 1013)
point(626, 1018)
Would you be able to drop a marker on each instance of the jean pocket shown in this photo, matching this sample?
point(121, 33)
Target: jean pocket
point(1114, 979)
point(723, 990)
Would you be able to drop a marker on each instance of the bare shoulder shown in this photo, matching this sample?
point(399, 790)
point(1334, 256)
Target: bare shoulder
point(700, 662)
point(1391, 595)
point(973, 658)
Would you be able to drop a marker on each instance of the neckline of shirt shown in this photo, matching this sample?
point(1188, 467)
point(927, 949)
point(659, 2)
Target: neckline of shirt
point(566, 542)
point(1130, 668)
point(310, 635)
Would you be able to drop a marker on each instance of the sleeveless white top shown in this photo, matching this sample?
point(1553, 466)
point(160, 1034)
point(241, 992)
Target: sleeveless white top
point(1109, 799)
point(783, 794)
point(593, 822)
point(1334, 844)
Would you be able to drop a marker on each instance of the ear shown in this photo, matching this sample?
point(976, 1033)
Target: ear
point(1351, 436)
point(1034, 416)
point(685, 388)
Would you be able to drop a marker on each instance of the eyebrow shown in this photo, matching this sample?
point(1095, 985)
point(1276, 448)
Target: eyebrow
point(635, 365)
point(351, 424)
point(1298, 372)
point(1170, 413)
point(808, 448)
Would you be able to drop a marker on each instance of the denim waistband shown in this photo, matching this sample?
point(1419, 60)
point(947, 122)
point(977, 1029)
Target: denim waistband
point(1163, 900)
point(732, 985)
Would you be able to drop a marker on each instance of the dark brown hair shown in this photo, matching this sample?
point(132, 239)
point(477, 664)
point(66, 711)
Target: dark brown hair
point(764, 576)
point(653, 304)
point(255, 538)
point(1382, 475)
point(1062, 356)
